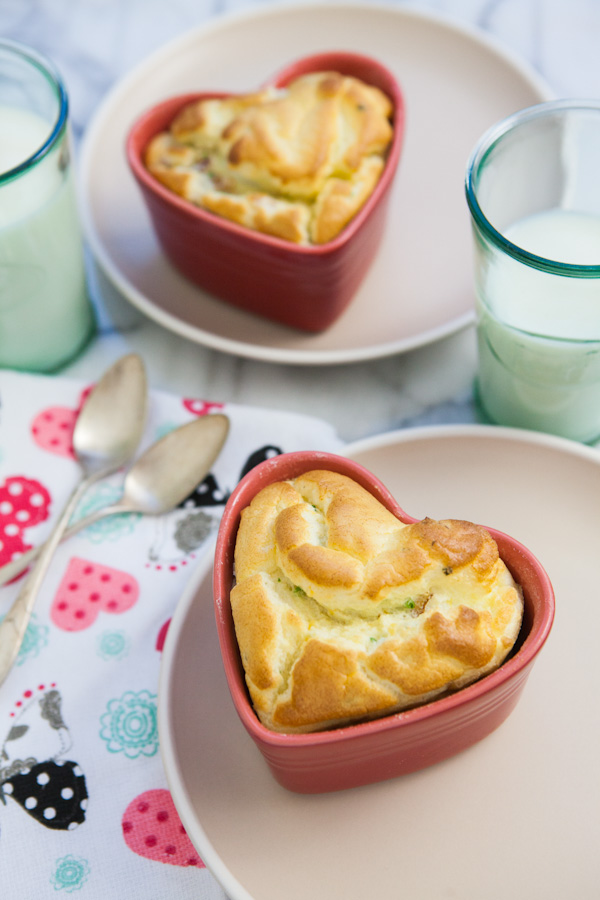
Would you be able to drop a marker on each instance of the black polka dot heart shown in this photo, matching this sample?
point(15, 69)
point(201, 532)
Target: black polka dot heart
point(53, 793)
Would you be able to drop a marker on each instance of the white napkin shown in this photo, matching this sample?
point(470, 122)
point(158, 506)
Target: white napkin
point(85, 807)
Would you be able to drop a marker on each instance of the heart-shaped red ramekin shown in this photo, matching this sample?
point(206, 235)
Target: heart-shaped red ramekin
point(305, 287)
point(396, 744)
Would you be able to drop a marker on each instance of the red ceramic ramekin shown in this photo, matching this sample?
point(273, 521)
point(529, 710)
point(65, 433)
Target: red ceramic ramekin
point(305, 287)
point(403, 742)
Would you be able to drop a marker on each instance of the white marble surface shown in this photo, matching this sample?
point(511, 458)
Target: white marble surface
point(96, 42)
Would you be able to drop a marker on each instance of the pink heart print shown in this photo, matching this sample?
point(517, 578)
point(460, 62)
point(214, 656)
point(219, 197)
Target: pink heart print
point(200, 407)
point(152, 828)
point(88, 588)
point(52, 428)
point(24, 503)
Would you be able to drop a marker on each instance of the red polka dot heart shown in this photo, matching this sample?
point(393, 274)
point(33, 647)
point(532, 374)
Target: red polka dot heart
point(152, 828)
point(89, 588)
point(24, 502)
point(52, 428)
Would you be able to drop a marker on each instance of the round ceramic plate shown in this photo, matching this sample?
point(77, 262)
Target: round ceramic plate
point(517, 815)
point(456, 82)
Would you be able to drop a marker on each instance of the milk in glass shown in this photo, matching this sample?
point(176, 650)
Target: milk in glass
point(539, 331)
point(45, 315)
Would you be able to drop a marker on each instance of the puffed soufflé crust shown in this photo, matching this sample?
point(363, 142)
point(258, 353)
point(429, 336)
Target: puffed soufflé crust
point(296, 163)
point(343, 613)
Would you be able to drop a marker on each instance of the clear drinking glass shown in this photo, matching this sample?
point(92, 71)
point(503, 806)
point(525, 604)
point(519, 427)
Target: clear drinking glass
point(533, 190)
point(45, 314)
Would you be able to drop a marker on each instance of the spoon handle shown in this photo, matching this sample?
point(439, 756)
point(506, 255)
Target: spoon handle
point(14, 623)
point(10, 570)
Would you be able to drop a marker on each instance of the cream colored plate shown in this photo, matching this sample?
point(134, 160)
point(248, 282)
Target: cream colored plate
point(419, 289)
point(517, 815)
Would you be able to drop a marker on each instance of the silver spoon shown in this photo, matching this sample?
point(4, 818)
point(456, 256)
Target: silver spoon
point(157, 482)
point(107, 431)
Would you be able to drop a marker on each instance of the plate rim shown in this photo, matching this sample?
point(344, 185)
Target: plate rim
point(520, 435)
point(167, 742)
point(222, 22)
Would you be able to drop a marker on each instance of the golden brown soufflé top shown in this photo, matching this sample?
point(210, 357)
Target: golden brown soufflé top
point(343, 613)
point(295, 163)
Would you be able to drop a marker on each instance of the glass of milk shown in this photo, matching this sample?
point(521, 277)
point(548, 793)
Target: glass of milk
point(45, 314)
point(533, 190)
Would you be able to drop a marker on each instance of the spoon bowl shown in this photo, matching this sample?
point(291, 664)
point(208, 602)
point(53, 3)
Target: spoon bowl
point(171, 468)
point(110, 425)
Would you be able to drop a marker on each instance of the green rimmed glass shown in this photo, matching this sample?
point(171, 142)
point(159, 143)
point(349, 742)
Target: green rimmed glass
point(45, 314)
point(533, 191)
